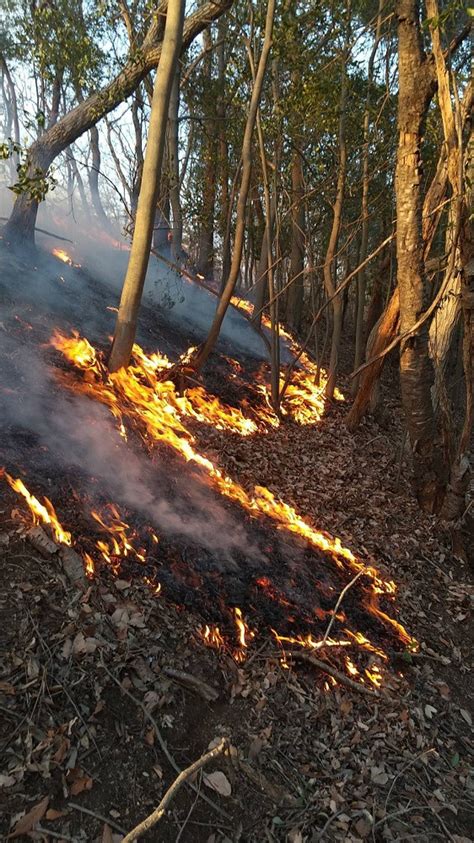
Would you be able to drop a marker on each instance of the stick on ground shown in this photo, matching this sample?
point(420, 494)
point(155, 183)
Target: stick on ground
point(157, 814)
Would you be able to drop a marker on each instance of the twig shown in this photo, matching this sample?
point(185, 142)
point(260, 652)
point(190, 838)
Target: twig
point(336, 607)
point(157, 814)
point(55, 834)
point(403, 770)
point(96, 816)
point(188, 815)
point(49, 233)
point(192, 682)
point(162, 742)
point(332, 671)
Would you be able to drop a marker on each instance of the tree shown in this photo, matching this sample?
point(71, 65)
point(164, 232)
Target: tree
point(80, 119)
point(415, 93)
point(126, 325)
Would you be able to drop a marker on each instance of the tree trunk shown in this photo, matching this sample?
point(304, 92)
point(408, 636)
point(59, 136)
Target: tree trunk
point(415, 369)
point(21, 225)
point(94, 171)
point(296, 290)
point(228, 291)
point(223, 148)
point(361, 280)
point(330, 280)
point(205, 257)
point(382, 333)
point(126, 325)
point(13, 107)
point(173, 155)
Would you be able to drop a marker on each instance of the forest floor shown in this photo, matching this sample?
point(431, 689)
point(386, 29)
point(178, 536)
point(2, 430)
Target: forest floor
point(93, 726)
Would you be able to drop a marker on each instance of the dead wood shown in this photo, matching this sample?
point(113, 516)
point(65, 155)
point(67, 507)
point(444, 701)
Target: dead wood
point(187, 680)
point(73, 566)
point(157, 814)
point(331, 671)
point(41, 542)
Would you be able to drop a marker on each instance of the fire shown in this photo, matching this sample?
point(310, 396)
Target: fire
point(120, 542)
point(212, 636)
point(42, 513)
point(63, 256)
point(153, 407)
point(244, 633)
point(303, 399)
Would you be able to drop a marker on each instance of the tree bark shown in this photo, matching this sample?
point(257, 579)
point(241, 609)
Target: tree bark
point(42, 153)
point(382, 333)
point(415, 370)
point(126, 324)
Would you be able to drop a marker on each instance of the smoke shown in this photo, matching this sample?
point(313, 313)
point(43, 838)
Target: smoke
point(50, 432)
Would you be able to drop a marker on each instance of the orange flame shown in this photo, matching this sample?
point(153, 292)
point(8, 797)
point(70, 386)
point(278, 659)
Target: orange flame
point(156, 411)
point(42, 513)
point(63, 256)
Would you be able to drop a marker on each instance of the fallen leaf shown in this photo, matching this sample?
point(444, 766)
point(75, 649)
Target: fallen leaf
point(82, 646)
point(107, 834)
point(466, 716)
point(54, 814)
point(28, 822)
point(218, 782)
point(7, 688)
point(7, 781)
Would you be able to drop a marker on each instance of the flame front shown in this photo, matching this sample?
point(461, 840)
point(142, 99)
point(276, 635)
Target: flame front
point(153, 407)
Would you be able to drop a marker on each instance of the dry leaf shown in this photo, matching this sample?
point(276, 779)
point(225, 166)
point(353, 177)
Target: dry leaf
point(218, 782)
point(466, 716)
point(7, 781)
point(28, 822)
point(7, 688)
point(54, 814)
point(107, 834)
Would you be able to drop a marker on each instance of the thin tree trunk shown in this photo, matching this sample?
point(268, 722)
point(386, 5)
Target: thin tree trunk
point(127, 317)
point(205, 257)
point(42, 153)
point(298, 237)
point(13, 101)
point(382, 333)
point(173, 154)
point(361, 280)
point(223, 147)
point(94, 171)
point(330, 280)
point(228, 291)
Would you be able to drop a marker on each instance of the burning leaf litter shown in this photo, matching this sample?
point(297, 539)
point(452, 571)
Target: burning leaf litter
point(142, 399)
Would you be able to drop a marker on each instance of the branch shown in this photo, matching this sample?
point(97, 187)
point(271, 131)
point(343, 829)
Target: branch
point(157, 814)
point(331, 671)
